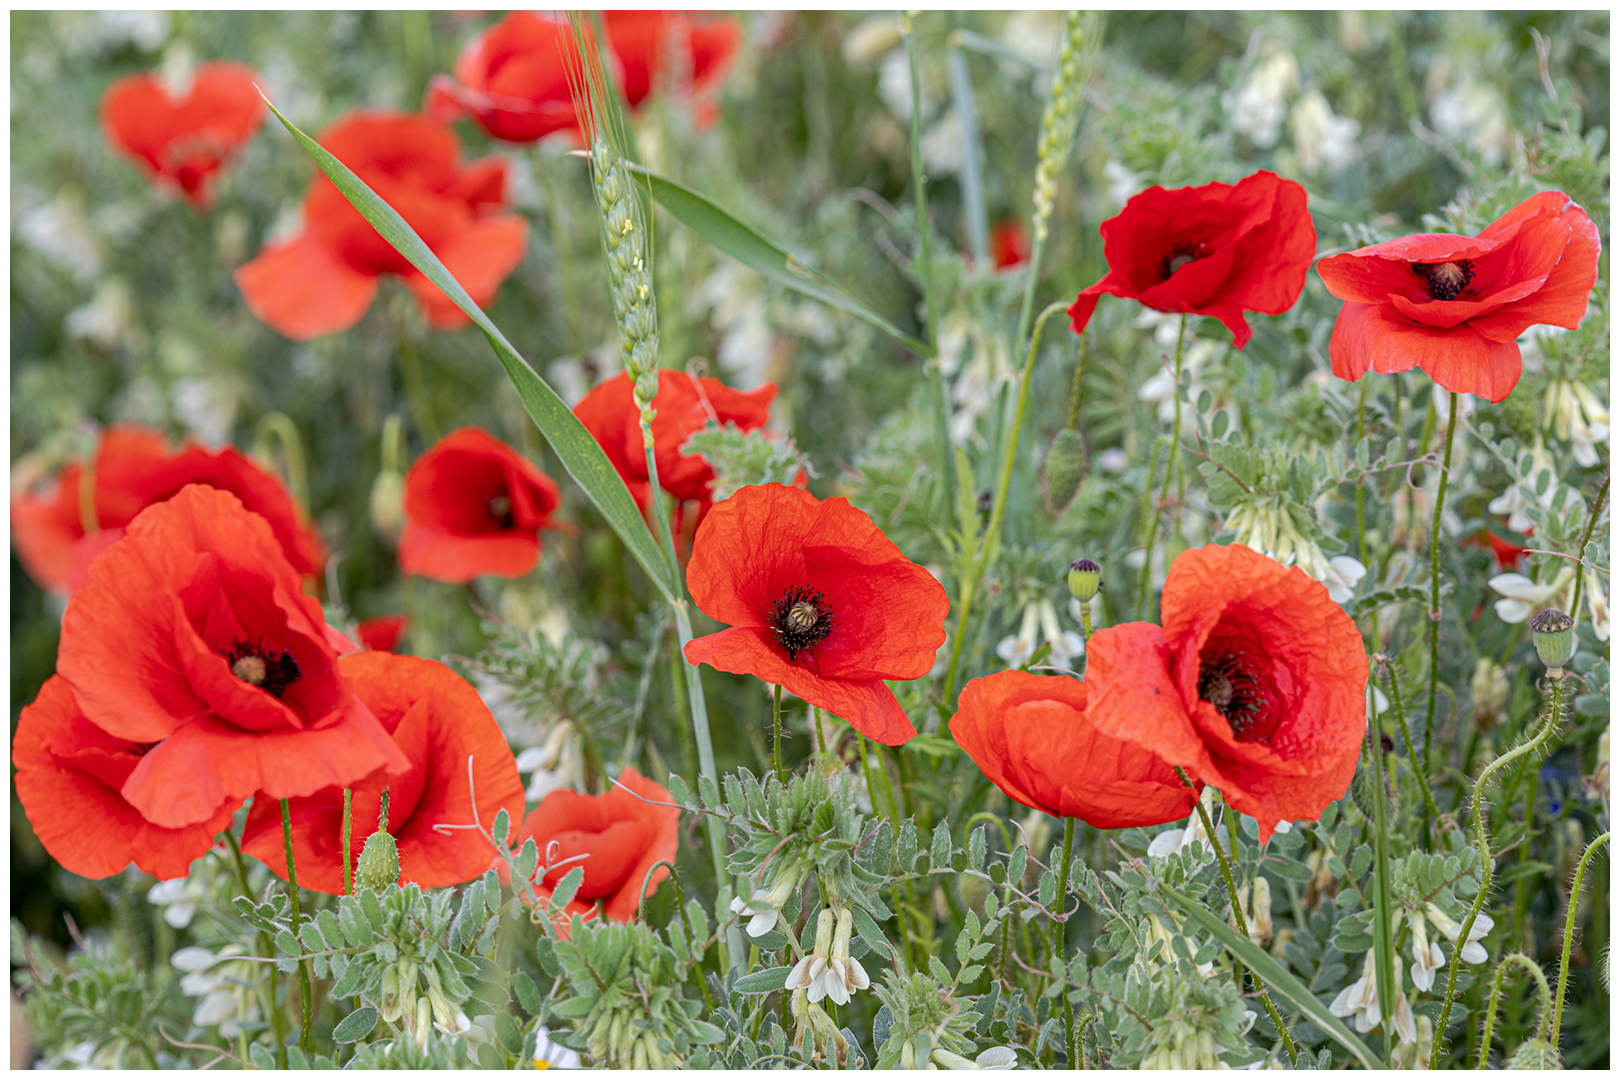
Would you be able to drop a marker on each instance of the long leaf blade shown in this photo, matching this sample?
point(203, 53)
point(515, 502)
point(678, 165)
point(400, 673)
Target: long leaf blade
point(1278, 979)
point(758, 252)
point(574, 446)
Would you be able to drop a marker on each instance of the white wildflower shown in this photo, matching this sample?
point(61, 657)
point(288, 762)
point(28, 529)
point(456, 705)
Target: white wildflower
point(829, 971)
point(1040, 619)
point(178, 898)
point(1472, 951)
point(1522, 598)
point(1321, 138)
point(1359, 999)
point(997, 1057)
point(1122, 182)
point(549, 1054)
point(872, 37)
point(1473, 112)
point(1573, 412)
point(1257, 107)
point(764, 906)
point(1113, 460)
point(1175, 840)
point(1426, 955)
point(221, 984)
point(106, 319)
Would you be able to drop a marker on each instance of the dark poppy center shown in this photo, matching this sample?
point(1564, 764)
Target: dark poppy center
point(500, 508)
point(1230, 684)
point(259, 665)
point(1445, 280)
point(800, 619)
point(1179, 256)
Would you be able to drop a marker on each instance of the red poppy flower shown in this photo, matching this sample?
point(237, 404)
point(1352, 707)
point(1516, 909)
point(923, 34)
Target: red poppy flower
point(1009, 243)
point(1219, 249)
point(620, 834)
point(513, 78)
point(192, 634)
point(322, 280)
point(1504, 551)
point(1455, 305)
point(69, 776)
point(383, 632)
point(134, 468)
point(685, 404)
point(820, 602)
point(474, 505)
point(438, 721)
point(1256, 684)
point(183, 142)
point(1034, 738)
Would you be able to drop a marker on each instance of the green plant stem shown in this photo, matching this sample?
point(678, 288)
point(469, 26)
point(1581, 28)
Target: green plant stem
point(894, 822)
point(306, 1036)
point(1556, 1031)
point(1554, 719)
point(278, 427)
point(1169, 470)
point(776, 730)
point(1434, 591)
point(942, 432)
point(1496, 992)
point(1383, 935)
point(1237, 913)
point(1150, 520)
point(1059, 925)
point(920, 181)
point(278, 1022)
point(348, 831)
point(1586, 538)
point(1406, 736)
point(990, 547)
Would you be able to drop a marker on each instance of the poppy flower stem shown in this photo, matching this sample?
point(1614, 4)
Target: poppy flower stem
point(1586, 538)
point(279, 427)
point(278, 1022)
point(1491, 999)
point(306, 1033)
point(1059, 925)
point(1383, 927)
point(1237, 914)
point(348, 831)
point(1169, 470)
point(1406, 735)
point(1434, 590)
point(776, 731)
point(1556, 1030)
point(1555, 717)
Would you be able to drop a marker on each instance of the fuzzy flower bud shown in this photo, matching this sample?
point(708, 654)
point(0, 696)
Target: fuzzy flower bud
point(1085, 579)
point(378, 866)
point(1554, 635)
point(1535, 1054)
point(1064, 468)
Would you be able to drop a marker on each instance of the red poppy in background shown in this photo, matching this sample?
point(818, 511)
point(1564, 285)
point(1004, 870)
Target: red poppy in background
point(621, 833)
point(685, 404)
point(1033, 736)
point(1256, 685)
point(1456, 305)
point(513, 78)
point(69, 776)
point(1504, 551)
point(438, 721)
point(323, 280)
point(1009, 243)
point(133, 469)
point(183, 142)
point(193, 634)
point(383, 632)
point(474, 505)
point(1219, 250)
point(819, 601)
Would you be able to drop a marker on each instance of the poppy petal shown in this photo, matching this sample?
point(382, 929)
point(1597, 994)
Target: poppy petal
point(1134, 697)
point(303, 290)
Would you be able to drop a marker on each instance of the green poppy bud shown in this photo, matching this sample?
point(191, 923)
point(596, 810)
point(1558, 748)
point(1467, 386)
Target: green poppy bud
point(1554, 635)
point(379, 863)
point(388, 505)
point(1063, 470)
point(1085, 579)
point(1535, 1054)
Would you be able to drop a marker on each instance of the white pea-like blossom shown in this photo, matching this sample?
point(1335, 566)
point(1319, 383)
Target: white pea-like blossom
point(764, 906)
point(1522, 598)
point(1322, 139)
point(553, 1055)
point(1359, 999)
point(829, 971)
point(178, 897)
point(1426, 955)
point(1258, 106)
point(997, 1057)
point(1472, 951)
point(1040, 620)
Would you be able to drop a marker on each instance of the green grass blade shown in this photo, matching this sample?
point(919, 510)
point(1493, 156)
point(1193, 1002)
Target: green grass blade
point(1278, 979)
point(757, 252)
point(574, 446)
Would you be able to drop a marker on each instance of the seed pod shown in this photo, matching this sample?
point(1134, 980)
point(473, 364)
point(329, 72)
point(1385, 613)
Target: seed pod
point(1064, 468)
point(378, 867)
point(1535, 1054)
point(1085, 580)
point(1554, 635)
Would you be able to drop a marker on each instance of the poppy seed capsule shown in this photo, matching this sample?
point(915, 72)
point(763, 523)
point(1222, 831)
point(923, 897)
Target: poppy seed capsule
point(1085, 580)
point(1554, 635)
point(378, 867)
point(1065, 467)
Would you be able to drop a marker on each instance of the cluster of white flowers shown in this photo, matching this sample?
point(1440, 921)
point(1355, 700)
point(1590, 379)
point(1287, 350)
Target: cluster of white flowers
point(1267, 526)
point(224, 986)
point(1360, 1000)
point(1575, 414)
point(1322, 139)
point(1258, 106)
point(763, 907)
point(829, 971)
point(1040, 619)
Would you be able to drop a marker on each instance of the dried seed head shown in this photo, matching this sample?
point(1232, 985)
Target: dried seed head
point(1554, 635)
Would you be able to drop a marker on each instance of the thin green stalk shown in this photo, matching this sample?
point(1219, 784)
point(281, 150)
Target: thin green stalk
point(1361, 483)
point(1237, 912)
point(278, 427)
point(776, 728)
point(1434, 591)
point(1383, 933)
point(278, 1022)
point(1556, 1031)
point(1496, 993)
point(1586, 538)
point(348, 830)
point(1406, 736)
point(894, 822)
point(1059, 925)
point(1150, 519)
point(306, 1035)
point(1554, 719)
point(1169, 470)
point(920, 181)
point(992, 536)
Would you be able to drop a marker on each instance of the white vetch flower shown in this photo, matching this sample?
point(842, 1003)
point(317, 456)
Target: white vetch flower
point(178, 897)
point(763, 907)
point(553, 1055)
point(872, 37)
point(1522, 598)
point(1405, 1025)
point(1113, 460)
point(829, 971)
point(1426, 955)
point(1472, 951)
point(1472, 111)
point(106, 320)
point(997, 1057)
point(1520, 497)
point(1122, 182)
point(1322, 138)
point(1257, 107)
point(1174, 840)
point(1359, 999)
point(1267, 525)
point(221, 986)
point(1040, 619)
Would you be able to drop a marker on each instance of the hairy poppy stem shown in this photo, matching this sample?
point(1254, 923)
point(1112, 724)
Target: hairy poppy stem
point(776, 731)
point(1237, 914)
point(1169, 471)
point(1495, 994)
point(1383, 926)
point(1059, 925)
point(1434, 591)
point(348, 829)
point(280, 426)
point(278, 1022)
point(1555, 1032)
point(1486, 865)
point(306, 1035)
point(1586, 537)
